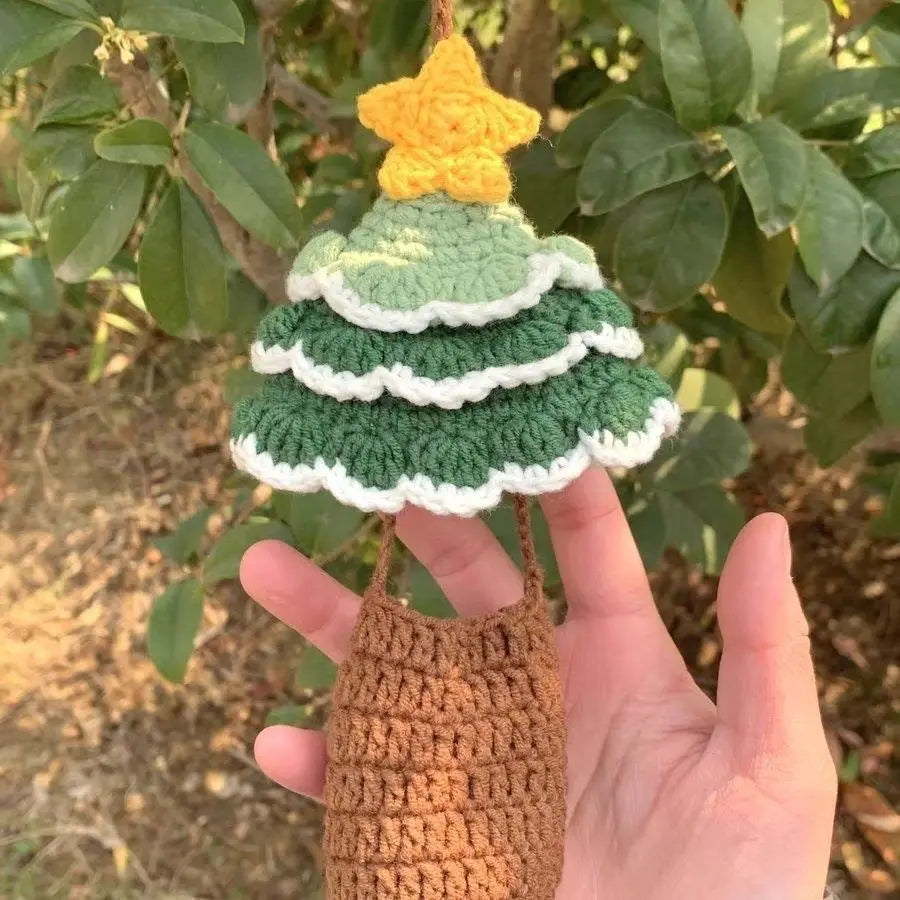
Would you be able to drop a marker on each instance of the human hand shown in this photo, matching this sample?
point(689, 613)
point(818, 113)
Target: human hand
point(670, 796)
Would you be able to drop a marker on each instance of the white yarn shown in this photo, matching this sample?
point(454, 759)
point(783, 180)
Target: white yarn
point(599, 448)
point(448, 393)
point(545, 270)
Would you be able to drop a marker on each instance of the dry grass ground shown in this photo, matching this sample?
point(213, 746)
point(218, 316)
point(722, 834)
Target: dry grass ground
point(115, 785)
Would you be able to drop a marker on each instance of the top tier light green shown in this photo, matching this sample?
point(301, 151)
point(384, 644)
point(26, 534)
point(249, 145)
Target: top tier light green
point(433, 260)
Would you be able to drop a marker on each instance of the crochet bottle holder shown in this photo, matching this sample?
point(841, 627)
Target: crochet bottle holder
point(446, 750)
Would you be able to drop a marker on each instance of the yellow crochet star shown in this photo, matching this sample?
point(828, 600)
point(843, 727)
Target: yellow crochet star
point(449, 129)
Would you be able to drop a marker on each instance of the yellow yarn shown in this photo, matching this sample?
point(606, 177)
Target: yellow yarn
point(449, 129)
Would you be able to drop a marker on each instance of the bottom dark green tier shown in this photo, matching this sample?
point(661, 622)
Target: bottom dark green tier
point(381, 455)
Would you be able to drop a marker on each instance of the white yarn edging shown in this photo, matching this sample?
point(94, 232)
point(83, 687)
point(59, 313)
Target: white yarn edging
point(447, 393)
point(545, 270)
point(599, 448)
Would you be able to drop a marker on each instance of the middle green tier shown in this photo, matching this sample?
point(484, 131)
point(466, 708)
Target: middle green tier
point(382, 454)
point(443, 366)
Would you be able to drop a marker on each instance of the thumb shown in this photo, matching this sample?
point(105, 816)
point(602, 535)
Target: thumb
point(767, 700)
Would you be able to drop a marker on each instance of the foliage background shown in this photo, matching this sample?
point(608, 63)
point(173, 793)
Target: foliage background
point(735, 166)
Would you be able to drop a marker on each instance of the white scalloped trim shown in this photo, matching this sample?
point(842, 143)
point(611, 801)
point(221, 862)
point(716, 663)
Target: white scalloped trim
point(603, 449)
point(545, 270)
point(447, 393)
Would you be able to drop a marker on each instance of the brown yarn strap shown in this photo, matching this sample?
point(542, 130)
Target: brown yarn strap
point(378, 581)
point(534, 575)
point(441, 19)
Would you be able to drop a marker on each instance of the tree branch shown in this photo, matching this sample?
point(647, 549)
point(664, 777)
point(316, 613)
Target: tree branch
point(537, 65)
point(144, 95)
point(301, 97)
point(515, 42)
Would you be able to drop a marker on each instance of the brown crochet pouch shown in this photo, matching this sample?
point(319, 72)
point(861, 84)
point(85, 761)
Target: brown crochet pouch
point(446, 744)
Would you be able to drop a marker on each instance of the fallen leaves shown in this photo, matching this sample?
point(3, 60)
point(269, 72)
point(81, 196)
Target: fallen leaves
point(879, 823)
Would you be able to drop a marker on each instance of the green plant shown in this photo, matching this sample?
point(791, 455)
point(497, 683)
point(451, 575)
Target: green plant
point(736, 168)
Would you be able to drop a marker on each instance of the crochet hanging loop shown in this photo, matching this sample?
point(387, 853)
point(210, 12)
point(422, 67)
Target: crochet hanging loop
point(441, 19)
point(533, 576)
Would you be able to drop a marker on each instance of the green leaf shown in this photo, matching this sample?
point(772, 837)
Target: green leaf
point(881, 212)
point(319, 523)
point(881, 237)
point(878, 152)
point(544, 190)
point(667, 350)
point(224, 560)
point(642, 16)
point(425, 595)
point(289, 714)
point(886, 363)
point(337, 168)
point(246, 182)
point(790, 41)
point(316, 671)
point(33, 276)
point(29, 31)
point(80, 94)
point(174, 621)
point(32, 190)
point(671, 243)
point(648, 528)
point(75, 9)
point(842, 95)
point(830, 437)
point(227, 80)
point(711, 446)
point(829, 225)
point(182, 266)
point(61, 152)
point(847, 314)
point(705, 58)
point(94, 218)
point(642, 150)
point(184, 544)
point(243, 382)
point(888, 523)
point(577, 86)
point(771, 163)
point(827, 383)
point(15, 323)
point(702, 524)
point(754, 272)
point(573, 144)
point(213, 21)
point(702, 389)
point(143, 142)
point(246, 305)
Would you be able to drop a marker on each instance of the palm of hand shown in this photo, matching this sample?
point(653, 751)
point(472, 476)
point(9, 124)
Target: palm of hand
point(669, 797)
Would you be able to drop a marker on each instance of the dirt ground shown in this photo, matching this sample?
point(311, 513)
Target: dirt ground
point(114, 784)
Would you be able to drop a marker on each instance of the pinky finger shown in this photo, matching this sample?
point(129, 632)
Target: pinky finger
point(294, 758)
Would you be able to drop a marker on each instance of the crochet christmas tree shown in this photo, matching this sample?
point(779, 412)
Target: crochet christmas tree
point(442, 353)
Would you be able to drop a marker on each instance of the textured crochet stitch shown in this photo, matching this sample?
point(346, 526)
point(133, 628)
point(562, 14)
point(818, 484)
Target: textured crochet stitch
point(443, 354)
point(446, 754)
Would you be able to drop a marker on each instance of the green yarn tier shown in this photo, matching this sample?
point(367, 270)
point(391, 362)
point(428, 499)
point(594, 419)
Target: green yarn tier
point(377, 443)
point(404, 255)
point(442, 352)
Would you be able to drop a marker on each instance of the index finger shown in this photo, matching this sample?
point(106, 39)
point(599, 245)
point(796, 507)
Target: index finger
point(297, 591)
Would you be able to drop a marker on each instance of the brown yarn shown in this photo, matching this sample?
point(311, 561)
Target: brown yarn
point(441, 19)
point(446, 751)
